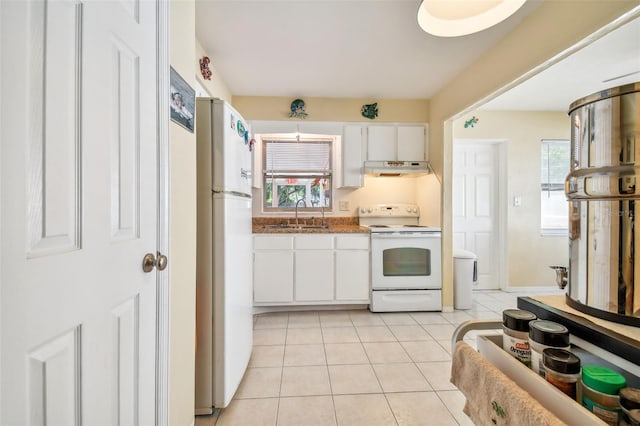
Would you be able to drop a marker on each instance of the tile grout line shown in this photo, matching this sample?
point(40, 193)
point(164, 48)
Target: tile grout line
point(326, 360)
point(284, 351)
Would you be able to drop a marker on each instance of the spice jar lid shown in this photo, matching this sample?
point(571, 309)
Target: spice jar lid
point(634, 415)
point(561, 361)
point(549, 333)
point(603, 379)
point(630, 398)
point(517, 319)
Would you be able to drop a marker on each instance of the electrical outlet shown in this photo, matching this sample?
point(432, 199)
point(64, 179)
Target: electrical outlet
point(517, 201)
point(344, 205)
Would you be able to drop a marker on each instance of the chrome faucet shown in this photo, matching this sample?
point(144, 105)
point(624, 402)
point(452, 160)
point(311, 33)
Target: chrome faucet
point(298, 202)
point(562, 276)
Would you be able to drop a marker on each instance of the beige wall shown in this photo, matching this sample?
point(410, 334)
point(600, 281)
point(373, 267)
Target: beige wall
point(182, 238)
point(528, 253)
point(551, 29)
point(216, 87)
point(333, 109)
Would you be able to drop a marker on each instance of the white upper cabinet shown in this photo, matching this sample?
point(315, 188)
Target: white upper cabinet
point(353, 139)
point(381, 143)
point(411, 143)
point(360, 142)
point(393, 142)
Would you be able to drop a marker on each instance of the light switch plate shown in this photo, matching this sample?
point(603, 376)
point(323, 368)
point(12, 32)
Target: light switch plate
point(344, 205)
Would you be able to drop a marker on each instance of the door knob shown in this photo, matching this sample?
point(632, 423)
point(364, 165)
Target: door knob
point(149, 261)
point(161, 262)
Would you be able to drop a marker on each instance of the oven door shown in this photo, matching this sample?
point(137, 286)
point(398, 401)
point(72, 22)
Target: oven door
point(405, 260)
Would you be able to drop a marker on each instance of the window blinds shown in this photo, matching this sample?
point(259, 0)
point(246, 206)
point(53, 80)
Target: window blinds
point(297, 157)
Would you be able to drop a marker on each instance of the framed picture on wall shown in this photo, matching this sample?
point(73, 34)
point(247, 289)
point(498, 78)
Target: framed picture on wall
point(182, 101)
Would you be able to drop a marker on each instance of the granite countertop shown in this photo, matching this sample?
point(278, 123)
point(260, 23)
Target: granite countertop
point(336, 225)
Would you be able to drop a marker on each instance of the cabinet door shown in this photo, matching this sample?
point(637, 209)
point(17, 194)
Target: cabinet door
point(381, 143)
point(352, 275)
point(352, 156)
point(411, 146)
point(273, 276)
point(314, 275)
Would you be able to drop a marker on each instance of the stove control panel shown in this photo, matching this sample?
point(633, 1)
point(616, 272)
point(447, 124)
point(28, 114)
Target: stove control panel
point(389, 210)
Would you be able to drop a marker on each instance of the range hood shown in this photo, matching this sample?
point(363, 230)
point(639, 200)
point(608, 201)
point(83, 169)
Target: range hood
point(397, 168)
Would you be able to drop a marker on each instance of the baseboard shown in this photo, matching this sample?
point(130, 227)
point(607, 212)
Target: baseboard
point(299, 308)
point(552, 289)
point(447, 309)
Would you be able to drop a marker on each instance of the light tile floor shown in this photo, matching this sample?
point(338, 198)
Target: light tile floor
point(355, 368)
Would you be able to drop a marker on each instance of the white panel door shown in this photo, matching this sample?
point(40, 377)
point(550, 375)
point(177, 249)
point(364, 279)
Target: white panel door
point(475, 207)
point(79, 208)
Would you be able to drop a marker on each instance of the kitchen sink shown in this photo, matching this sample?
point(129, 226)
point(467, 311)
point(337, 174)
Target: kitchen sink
point(277, 226)
point(294, 226)
point(309, 226)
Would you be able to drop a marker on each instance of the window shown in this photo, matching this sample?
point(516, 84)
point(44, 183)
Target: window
point(297, 170)
point(555, 160)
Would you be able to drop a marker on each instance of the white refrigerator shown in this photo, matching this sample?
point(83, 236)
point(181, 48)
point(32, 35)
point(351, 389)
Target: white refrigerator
point(224, 268)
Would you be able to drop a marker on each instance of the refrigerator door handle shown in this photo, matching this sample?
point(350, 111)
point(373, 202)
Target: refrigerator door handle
point(234, 193)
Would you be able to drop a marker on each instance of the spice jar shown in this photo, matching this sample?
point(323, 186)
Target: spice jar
point(600, 388)
point(629, 400)
point(515, 324)
point(542, 335)
point(634, 417)
point(562, 369)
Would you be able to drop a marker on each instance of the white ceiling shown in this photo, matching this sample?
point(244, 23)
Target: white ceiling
point(375, 49)
point(610, 61)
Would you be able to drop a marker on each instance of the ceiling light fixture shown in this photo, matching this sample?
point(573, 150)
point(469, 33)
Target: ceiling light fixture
point(453, 18)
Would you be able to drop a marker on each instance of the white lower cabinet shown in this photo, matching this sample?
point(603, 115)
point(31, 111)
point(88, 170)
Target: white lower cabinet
point(313, 276)
point(273, 280)
point(352, 275)
point(273, 269)
point(352, 261)
point(303, 269)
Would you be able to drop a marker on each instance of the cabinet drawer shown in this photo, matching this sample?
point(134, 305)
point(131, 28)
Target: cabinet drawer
point(313, 242)
point(272, 243)
point(352, 243)
point(562, 406)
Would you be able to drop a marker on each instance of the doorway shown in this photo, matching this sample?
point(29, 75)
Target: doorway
point(479, 201)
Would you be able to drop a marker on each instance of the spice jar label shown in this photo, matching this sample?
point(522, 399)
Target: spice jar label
point(518, 348)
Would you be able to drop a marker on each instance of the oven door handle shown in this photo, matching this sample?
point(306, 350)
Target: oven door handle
point(407, 235)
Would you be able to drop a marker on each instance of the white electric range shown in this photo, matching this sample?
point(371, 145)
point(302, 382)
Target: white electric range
point(405, 259)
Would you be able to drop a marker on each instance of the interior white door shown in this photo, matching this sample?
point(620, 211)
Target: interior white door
point(78, 212)
point(475, 207)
